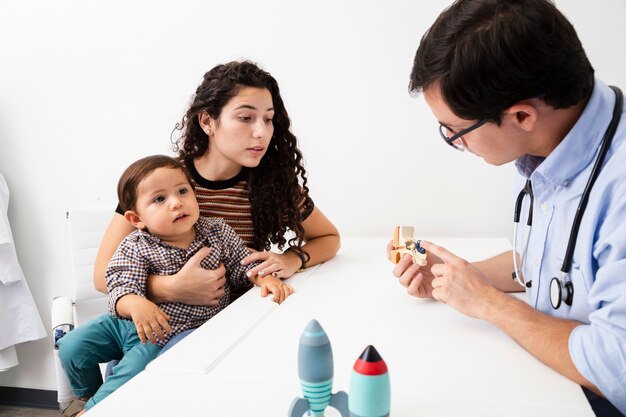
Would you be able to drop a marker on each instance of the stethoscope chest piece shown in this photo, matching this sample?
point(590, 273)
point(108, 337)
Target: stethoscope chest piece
point(561, 292)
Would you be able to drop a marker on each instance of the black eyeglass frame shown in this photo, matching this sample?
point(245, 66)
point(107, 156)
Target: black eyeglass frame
point(450, 140)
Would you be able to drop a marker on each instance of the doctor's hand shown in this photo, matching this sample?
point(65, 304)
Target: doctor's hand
point(415, 278)
point(459, 283)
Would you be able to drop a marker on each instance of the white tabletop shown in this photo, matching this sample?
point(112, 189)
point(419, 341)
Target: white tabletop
point(209, 343)
point(440, 362)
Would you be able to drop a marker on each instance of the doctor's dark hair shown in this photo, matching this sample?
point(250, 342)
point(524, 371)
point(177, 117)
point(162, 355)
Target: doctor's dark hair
point(279, 195)
point(487, 55)
point(137, 172)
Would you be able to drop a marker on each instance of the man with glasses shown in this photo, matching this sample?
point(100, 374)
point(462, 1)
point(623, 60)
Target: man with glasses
point(509, 80)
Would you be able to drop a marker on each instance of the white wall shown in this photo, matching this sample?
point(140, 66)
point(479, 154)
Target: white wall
point(87, 87)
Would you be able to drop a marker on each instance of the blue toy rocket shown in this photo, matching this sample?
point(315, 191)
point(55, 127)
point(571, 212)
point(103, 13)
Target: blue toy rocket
point(370, 389)
point(315, 369)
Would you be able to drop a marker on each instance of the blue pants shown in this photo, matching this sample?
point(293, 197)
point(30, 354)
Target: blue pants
point(98, 341)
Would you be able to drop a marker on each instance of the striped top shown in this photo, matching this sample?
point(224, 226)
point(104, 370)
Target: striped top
point(228, 200)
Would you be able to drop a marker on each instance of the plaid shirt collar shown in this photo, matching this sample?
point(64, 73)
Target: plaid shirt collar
point(203, 228)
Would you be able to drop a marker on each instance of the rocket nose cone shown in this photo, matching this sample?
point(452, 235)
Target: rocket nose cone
point(313, 327)
point(370, 363)
point(314, 335)
point(370, 354)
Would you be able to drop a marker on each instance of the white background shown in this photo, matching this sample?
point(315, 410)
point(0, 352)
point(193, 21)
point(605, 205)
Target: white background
point(87, 87)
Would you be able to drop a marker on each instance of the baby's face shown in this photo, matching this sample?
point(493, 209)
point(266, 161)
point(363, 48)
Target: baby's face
point(167, 204)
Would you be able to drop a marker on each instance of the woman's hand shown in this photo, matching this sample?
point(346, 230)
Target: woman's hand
point(192, 285)
point(280, 265)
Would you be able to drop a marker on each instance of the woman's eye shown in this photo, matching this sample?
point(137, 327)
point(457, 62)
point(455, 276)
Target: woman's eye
point(269, 121)
point(245, 118)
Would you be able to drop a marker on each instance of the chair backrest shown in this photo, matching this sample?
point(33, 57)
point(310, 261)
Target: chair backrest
point(87, 226)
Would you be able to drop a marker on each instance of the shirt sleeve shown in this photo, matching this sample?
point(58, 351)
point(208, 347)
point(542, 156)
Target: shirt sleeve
point(599, 349)
point(127, 273)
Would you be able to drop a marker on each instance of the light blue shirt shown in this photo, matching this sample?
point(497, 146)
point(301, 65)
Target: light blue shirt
point(598, 272)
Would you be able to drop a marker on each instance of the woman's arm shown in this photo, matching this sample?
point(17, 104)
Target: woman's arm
point(321, 238)
point(116, 231)
point(191, 285)
point(321, 242)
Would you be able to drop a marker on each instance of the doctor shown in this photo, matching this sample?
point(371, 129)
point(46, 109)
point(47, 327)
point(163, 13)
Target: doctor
point(508, 80)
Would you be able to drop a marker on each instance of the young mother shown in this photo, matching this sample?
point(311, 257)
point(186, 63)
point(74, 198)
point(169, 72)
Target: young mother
point(246, 168)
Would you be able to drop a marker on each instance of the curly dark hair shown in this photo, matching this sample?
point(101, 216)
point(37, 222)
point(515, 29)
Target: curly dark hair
point(278, 184)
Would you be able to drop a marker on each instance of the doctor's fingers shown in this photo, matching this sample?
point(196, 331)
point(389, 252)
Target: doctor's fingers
point(418, 287)
point(409, 275)
point(443, 270)
point(441, 252)
point(404, 265)
point(441, 289)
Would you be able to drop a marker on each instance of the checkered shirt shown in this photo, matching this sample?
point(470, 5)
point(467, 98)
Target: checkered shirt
point(142, 254)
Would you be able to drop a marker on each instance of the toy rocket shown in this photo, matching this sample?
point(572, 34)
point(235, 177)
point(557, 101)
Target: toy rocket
point(370, 389)
point(315, 369)
point(403, 243)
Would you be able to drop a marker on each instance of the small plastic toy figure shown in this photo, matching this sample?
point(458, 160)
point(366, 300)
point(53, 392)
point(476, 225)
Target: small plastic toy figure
point(403, 243)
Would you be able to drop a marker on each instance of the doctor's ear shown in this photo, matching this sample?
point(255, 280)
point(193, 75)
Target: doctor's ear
point(134, 219)
point(524, 114)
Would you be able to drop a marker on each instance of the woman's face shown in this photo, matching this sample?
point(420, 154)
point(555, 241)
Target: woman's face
point(242, 134)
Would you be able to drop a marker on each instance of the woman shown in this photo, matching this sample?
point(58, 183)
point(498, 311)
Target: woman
point(246, 168)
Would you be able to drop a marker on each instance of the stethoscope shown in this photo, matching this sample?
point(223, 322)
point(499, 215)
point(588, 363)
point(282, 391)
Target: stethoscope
point(562, 288)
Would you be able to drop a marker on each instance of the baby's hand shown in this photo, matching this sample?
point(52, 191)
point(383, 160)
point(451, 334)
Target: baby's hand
point(276, 286)
point(149, 320)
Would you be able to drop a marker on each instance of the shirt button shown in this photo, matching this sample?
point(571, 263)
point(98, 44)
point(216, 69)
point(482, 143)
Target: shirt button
point(544, 207)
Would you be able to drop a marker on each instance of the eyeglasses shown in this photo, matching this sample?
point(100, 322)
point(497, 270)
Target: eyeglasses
point(456, 140)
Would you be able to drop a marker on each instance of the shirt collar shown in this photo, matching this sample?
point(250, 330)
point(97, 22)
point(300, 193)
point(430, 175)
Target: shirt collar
point(202, 233)
point(579, 147)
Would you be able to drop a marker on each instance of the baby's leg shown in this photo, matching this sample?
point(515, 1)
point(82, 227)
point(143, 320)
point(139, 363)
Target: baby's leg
point(136, 357)
point(82, 349)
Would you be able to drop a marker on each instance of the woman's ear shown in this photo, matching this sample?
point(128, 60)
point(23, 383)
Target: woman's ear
point(134, 219)
point(206, 123)
point(524, 114)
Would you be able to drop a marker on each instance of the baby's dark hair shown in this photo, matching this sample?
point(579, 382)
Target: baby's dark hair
point(137, 172)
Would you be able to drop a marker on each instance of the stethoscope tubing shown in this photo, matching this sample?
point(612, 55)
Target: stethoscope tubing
point(582, 205)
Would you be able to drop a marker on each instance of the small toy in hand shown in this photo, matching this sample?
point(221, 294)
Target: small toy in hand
point(403, 243)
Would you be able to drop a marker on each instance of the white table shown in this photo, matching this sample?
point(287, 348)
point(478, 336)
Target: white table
point(441, 363)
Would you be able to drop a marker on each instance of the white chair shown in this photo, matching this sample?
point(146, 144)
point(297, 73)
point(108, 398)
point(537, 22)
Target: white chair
point(87, 226)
